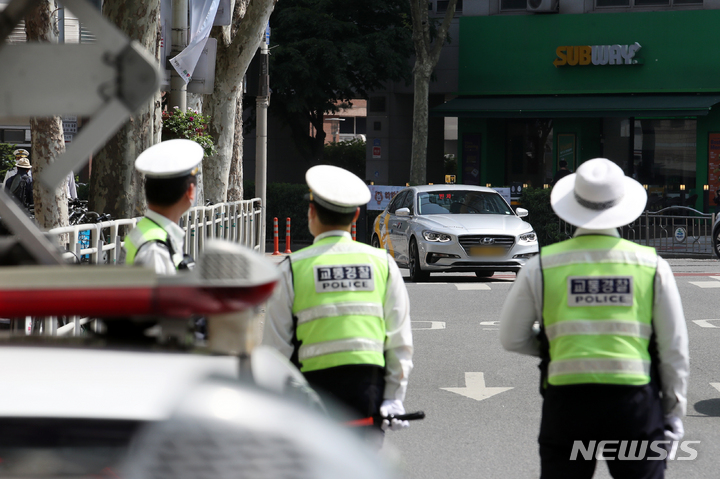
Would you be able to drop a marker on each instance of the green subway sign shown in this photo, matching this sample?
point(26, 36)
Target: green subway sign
point(629, 52)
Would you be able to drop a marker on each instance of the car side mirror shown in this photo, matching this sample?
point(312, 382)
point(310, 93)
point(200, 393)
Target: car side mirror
point(521, 212)
point(402, 212)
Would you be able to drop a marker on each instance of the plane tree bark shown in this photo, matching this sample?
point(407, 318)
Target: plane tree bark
point(427, 53)
point(237, 45)
point(115, 186)
point(47, 139)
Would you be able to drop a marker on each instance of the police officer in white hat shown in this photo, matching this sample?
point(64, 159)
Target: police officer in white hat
point(18, 181)
point(612, 333)
point(341, 311)
point(170, 170)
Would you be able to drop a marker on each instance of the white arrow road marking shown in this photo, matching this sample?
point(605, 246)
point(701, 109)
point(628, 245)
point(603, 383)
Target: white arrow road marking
point(706, 284)
point(715, 385)
point(715, 277)
point(475, 388)
point(433, 325)
point(704, 323)
point(474, 286)
point(490, 323)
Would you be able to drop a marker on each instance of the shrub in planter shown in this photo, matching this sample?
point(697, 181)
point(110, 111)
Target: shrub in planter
point(189, 125)
point(541, 215)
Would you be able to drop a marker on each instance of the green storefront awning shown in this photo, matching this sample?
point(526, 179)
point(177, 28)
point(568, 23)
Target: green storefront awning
point(577, 106)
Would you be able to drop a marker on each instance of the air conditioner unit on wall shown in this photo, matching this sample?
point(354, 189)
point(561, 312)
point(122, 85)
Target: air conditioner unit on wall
point(543, 6)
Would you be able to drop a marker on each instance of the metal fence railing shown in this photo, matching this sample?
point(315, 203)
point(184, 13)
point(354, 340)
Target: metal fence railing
point(677, 230)
point(101, 243)
point(238, 222)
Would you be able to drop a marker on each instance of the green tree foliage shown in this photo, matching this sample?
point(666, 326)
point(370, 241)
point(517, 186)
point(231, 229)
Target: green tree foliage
point(347, 154)
point(330, 51)
point(541, 216)
point(7, 159)
point(189, 125)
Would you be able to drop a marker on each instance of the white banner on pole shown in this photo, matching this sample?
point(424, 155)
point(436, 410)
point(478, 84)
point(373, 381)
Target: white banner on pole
point(202, 16)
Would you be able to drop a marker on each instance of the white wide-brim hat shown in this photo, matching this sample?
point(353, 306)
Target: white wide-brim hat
point(598, 196)
point(23, 163)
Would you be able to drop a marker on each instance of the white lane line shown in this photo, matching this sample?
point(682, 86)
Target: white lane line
point(715, 385)
point(433, 325)
point(489, 323)
point(474, 286)
point(706, 284)
point(715, 277)
point(705, 323)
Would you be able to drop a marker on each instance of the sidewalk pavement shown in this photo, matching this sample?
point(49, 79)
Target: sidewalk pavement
point(269, 248)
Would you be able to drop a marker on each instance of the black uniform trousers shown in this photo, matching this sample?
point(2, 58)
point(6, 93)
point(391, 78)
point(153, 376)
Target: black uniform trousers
point(597, 412)
point(357, 388)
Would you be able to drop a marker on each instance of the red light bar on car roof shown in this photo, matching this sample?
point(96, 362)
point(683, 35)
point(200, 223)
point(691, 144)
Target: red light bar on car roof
point(228, 278)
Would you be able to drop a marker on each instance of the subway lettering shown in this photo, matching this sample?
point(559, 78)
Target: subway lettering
point(596, 55)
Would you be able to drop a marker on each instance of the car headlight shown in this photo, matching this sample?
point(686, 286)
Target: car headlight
point(530, 237)
point(436, 237)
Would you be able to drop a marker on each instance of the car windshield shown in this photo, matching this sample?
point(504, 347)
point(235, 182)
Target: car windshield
point(461, 202)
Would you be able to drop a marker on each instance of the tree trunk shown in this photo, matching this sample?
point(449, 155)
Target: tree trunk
point(427, 54)
point(115, 186)
point(194, 102)
point(51, 208)
point(235, 180)
point(237, 45)
point(418, 160)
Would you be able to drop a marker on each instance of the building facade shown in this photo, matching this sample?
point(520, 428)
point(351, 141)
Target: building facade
point(630, 80)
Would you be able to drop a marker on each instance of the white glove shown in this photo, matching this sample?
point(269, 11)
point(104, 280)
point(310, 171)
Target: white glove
point(674, 430)
point(394, 407)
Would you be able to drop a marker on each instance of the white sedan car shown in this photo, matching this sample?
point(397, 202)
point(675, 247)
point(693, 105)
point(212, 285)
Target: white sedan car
point(445, 228)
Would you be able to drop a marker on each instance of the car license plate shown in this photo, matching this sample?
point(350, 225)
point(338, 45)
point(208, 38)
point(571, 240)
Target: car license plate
point(487, 251)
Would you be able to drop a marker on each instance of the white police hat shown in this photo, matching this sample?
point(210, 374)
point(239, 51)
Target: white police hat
point(170, 159)
point(598, 196)
point(336, 189)
point(21, 153)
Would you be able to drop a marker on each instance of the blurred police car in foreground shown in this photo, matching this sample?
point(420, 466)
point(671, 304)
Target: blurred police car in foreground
point(139, 398)
point(444, 228)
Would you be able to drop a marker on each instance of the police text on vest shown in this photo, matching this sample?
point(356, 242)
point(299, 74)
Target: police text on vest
point(337, 278)
point(600, 291)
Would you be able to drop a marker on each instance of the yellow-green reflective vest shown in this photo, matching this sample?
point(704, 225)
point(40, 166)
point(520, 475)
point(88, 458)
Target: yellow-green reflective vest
point(597, 310)
point(340, 288)
point(146, 231)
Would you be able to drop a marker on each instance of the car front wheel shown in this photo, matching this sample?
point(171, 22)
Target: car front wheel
point(416, 272)
point(375, 242)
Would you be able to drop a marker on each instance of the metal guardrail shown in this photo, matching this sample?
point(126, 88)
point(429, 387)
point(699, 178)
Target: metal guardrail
point(101, 243)
point(96, 243)
point(674, 231)
point(238, 222)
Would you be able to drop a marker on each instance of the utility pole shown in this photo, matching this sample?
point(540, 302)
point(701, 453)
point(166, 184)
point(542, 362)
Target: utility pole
point(178, 87)
point(262, 104)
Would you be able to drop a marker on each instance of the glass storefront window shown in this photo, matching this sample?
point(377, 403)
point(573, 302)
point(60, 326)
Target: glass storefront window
point(529, 152)
point(664, 158)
